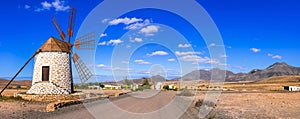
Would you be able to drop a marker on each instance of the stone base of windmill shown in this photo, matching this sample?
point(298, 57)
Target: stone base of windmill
point(46, 88)
point(51, 98)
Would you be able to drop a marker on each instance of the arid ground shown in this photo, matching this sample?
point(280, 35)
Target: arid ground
point(230, 105)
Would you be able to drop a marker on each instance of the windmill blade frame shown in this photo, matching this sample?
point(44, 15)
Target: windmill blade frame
point(86, 42)
point(71, 23)
point(58, 28)
point(83, 71)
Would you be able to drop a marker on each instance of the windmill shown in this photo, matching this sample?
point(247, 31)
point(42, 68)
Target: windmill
point(52, 66)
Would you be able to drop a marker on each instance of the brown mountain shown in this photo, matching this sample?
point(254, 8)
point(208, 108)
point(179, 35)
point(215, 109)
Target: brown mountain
point(206, 75)
point(277, 69)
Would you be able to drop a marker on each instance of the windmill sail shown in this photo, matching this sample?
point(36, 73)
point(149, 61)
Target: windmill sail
point(83, 71)
point(71, 23)
point(86, 42)
point(58, 29)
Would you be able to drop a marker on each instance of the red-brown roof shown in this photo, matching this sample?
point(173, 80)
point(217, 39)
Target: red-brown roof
point(54, 45)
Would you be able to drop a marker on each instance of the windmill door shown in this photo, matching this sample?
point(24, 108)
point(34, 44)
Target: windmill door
point(45, 73)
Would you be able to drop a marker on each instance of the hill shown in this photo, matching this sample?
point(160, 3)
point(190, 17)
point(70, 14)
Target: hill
point(276, 69)
point(281, 79)
point(206, 75)
point(3, 82)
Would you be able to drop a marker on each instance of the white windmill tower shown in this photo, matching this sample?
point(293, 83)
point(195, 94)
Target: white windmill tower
point(52, 67)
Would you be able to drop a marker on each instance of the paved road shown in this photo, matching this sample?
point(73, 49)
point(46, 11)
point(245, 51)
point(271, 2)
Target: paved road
point(164, 105)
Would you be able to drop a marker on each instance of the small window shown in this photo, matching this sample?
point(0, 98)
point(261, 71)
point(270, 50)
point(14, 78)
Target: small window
point(45, 73)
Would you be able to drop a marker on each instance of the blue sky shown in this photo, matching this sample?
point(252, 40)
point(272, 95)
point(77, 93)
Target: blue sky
point(255, 33)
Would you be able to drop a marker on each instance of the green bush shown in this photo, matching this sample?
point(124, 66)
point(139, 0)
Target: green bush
point(166, 87)
point(201, 102)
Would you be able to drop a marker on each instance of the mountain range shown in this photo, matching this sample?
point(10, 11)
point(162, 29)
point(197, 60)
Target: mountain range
point(277, 69)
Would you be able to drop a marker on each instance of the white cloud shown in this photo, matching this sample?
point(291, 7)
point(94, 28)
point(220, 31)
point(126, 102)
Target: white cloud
point(270, 55)
point(275, 56)
point(141, 62)
point(103, 35)
point(197, 59)
point(104, 67)
point(105, 20)
point(27, 6)
point(186, 53)
point(212, 45)
point(255, 50)
point(184, 45)
point(138, 25)
point(100, 65)
point(215, 62)
point(114, 42)
point(149, 30)
point(131, 23)
point(124, 62)
point(239, 67)
point(58, 5)
point(224, 56)
point(125, 20)
point(194, 58)
point(143, 72)
point(159, 53)
point(128, 46)
point(136, 40)
point(171, 60)
point(102, 43)
point(46, 5)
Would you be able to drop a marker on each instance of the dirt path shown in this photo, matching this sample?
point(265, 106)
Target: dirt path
point(162, 105)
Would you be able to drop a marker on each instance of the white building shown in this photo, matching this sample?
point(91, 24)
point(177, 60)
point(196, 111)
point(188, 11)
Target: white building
point(94, 87)
point(292, 88)
point(52, 69)
point(111, 87)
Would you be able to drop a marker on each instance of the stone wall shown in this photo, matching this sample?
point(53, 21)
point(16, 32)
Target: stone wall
point(59, 75)
point(50, 98)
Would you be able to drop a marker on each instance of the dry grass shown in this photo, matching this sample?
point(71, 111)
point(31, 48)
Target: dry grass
point(260, 105)
point(105, 92)
point(12, 92)
point(281, 79)
point(270, 84)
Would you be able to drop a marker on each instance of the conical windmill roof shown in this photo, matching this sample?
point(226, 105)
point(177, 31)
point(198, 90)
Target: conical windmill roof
point(54, 45)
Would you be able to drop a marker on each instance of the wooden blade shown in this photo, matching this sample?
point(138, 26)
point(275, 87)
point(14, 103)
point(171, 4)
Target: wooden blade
point(86, 42)
point(75, 57)
point(83, 71)
point(71, 23)
point(58, 29)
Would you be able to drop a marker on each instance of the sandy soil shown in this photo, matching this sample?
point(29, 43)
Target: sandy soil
point(19, 109)
point(230, 105)
point(258, 105)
